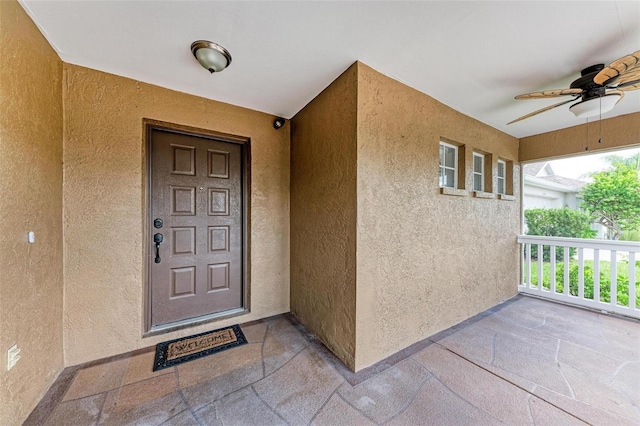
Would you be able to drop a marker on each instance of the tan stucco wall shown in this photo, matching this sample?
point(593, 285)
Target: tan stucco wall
point(30, 200)
point(617, 132)
point(425, 261)
point(323, 215)
point(104, 216)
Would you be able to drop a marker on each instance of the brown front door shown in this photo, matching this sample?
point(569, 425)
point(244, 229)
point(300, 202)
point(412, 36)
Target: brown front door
point(196, 226)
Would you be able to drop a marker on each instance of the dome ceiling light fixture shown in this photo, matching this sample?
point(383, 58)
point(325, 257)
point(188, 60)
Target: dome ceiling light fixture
point(211, 56)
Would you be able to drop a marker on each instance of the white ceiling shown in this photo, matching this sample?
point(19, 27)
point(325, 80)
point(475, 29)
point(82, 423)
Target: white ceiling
point(472, 56)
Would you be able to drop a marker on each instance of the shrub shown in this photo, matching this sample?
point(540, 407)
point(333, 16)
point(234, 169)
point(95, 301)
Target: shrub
point(562, 222)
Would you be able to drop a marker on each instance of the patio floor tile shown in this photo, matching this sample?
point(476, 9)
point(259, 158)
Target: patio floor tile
point(437, 405)
point(593, 414)
point(84, 411)
point(184, 418)
point(97, 379)
point(207, 392)
point(588, 361)
point(149, 413)
point(208, 368)
point(152, 401)
point(282, 342)
point(532, 362)
point(497, 397)
point(543, 414)
point(386, 394)
point(338, 412)
point(300, 388)
point(599, 393)
point(627, 380)
point(240, 408)
point(138, 368)
point(255, 333)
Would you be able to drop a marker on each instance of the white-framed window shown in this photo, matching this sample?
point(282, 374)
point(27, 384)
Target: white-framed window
point(502, 171)
point(448, 165)
point(478, 172)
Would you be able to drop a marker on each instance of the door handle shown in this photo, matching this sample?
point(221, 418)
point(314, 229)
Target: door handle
point(157, 239)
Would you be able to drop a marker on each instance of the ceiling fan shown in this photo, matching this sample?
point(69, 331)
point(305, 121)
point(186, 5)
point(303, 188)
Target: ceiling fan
point(599, 88)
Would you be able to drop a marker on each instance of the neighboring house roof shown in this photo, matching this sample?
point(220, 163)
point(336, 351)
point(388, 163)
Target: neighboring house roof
point(533, 169)
point(539, 169)
point(542, 182)
point(542, 175)
point(571, 183)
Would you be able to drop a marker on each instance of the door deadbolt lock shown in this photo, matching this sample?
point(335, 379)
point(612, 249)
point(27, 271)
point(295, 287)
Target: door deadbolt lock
point(157, 223)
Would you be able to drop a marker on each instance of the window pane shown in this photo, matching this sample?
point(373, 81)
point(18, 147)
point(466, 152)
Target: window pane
point(500, 186)
point(477, 163)
point(449, 179)
point(441, 155)
point(500, 169)
point(450, 157)
point(477, 182)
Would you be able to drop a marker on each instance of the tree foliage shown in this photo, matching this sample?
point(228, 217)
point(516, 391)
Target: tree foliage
point(632, 161)
point(562, 222)
point(614, 197)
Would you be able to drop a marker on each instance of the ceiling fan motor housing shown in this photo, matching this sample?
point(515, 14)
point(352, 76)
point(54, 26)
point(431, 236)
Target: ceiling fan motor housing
point(590, 89)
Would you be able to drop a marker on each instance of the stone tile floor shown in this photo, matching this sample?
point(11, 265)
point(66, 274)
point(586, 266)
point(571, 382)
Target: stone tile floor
point(524, 362)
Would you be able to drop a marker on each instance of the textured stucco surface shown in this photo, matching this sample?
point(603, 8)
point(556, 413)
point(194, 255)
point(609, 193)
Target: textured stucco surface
point(104, 207)
point(425, 261)
point(323, 215)
point(617, 132)
point(30, 200)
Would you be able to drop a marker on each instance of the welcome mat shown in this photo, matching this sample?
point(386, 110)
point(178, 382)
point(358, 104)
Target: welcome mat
point(187, 349)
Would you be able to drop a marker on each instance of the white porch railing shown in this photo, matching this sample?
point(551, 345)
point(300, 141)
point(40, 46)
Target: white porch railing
point(584, 279)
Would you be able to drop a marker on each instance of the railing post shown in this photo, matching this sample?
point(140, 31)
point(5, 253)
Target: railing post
point(552, 269)
point(614, 277)
point(540, 264)
point(596, 275)
point(522, 264)
point(581, 273)
point(566, 271)
point(632, 280)
point(528, 265)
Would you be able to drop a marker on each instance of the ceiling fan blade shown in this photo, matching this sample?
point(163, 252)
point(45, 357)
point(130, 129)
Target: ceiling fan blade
point(632, 85)
point(627, 79)
point(550, 94)
point(616, 92)
point(541, 110)
point(617, 69)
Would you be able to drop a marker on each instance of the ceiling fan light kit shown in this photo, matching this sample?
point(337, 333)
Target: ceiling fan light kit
point(598, 89)
point(595, 106)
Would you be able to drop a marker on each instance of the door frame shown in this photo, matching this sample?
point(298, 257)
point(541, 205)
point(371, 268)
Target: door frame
point(245, 143)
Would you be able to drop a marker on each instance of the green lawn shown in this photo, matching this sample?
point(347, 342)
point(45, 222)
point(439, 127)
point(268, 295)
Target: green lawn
point(622, 294)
